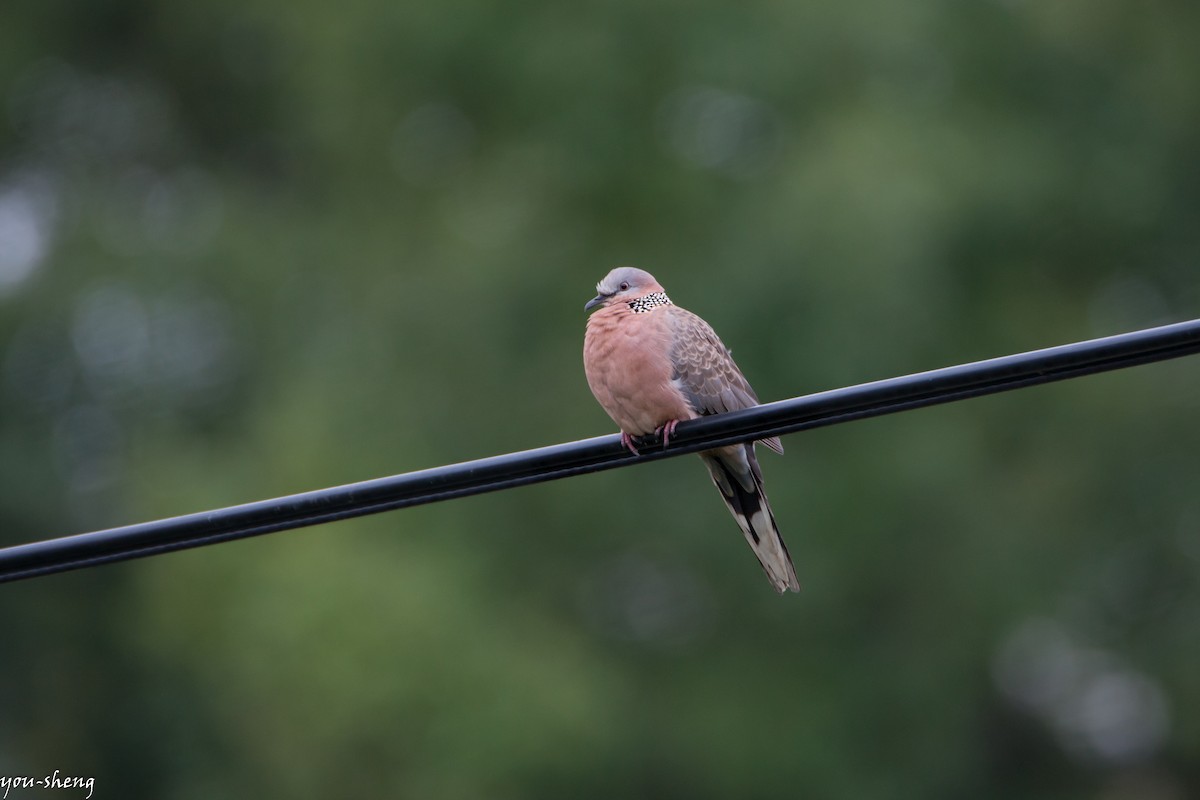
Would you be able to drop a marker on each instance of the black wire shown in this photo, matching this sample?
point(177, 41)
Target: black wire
point(603, 452)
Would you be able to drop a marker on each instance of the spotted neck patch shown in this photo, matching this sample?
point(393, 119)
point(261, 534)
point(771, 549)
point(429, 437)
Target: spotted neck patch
point(649, 301)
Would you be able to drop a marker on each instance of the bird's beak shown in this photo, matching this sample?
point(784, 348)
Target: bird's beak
point(595, 302)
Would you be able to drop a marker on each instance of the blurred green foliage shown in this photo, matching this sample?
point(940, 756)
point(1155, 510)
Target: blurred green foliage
point(248, 249)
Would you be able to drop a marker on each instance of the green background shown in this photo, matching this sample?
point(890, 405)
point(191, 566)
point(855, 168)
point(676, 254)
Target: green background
point(249, 249)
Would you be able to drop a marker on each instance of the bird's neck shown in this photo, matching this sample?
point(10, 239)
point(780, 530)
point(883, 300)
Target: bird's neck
point(648, 302)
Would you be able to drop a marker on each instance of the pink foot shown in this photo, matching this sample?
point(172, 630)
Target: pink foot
point(666, 430)
point(627, 441)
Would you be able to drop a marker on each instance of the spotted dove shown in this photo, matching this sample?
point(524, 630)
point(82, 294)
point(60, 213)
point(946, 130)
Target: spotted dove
point(652, 364)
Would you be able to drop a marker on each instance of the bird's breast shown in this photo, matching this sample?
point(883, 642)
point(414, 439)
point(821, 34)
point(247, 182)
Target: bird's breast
point(626, 359)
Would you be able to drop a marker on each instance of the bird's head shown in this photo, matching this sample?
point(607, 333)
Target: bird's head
point(622, 285)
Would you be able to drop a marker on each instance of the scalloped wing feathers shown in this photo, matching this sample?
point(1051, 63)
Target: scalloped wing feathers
point(704, 369)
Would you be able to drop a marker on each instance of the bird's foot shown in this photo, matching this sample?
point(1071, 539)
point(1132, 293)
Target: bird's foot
point(666, 430)
point(627, 442)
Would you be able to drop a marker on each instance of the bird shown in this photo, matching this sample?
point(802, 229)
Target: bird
point(652, 364)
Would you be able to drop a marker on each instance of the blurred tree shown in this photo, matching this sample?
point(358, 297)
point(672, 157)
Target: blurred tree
point(247, 250)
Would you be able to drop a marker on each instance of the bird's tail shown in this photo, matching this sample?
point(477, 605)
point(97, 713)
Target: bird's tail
point(735, 472)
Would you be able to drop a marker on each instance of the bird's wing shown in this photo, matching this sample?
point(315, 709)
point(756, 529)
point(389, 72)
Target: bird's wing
point(704, 370)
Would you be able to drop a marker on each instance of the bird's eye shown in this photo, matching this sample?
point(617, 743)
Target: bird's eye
point(624, 285)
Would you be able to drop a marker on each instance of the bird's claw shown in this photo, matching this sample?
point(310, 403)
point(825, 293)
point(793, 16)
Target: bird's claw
point(666, 430)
